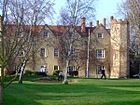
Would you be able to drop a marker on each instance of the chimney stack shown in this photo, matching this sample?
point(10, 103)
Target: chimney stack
point(97, 23)
point(83, 24)
point(104, 23)
point(111, 18)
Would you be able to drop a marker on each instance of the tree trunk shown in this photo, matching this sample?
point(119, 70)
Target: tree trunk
point(66, 72)
point(20, 77)
point(1, 85)
point(33, 60)
point(21, 73)
point(33, 53)
point(1, 95)
point(87, 63)
point(67, 64)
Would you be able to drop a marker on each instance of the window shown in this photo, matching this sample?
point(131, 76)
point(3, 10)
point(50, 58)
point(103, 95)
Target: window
point(100, 53)
point(99, 68)
point(42, 52)
point(56, 52)
point(56, 67)
point(100, 35)
point(45, 34)
point(71, 68)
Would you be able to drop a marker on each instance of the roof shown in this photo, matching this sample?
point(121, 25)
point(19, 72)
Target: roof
point(58, 30)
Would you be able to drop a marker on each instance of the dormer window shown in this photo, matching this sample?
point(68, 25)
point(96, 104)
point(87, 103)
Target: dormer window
point(100, 35)
point(45, 35)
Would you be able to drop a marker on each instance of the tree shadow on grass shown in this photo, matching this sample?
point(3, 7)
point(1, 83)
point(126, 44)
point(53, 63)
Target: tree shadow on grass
point(73, 94)
point(128, 102)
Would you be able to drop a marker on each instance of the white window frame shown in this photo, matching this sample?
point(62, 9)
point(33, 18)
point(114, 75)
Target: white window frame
point(56, 52)
point(54, 67)
point(44, 55)
point(100, 35)
point(100, 53)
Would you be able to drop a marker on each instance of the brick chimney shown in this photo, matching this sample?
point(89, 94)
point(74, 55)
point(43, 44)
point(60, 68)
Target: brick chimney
point(83, 24)
point(111, 18)
point(97, 23)
point(104, 22)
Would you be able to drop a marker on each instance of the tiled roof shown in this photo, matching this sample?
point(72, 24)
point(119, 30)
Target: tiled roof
point(37, 28)
point(57, 30)
point(60, 30)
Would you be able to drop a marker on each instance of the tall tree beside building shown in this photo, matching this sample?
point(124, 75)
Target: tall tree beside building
point(70, 15)
point(18, 21)
point(131, 10)
point(74, 10)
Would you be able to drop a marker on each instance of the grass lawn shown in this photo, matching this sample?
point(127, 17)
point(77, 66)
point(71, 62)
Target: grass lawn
point(81, 92)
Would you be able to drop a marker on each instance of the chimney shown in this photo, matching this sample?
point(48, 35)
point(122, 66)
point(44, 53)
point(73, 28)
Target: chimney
point(90, 24)
point(83, 24)
point(104, 23)
point(97, 23)
point(111, 18)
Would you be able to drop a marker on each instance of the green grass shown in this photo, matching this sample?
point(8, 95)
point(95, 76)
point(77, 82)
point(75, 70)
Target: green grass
point(83, 92)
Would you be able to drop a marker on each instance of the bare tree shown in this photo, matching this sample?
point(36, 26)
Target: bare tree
point(131, 10)
point(74, 10)
point(71, 15)
point(18, 20)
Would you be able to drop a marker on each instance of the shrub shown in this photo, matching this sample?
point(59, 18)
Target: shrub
point(29, 72)
point(38, 73)
point(10, 72)
point(73, 73)
point(56, 72)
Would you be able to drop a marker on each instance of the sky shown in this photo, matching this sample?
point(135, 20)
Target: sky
point(104, 8)
point(107, 8)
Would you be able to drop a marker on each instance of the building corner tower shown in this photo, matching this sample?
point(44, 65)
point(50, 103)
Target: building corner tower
point(119, 50)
